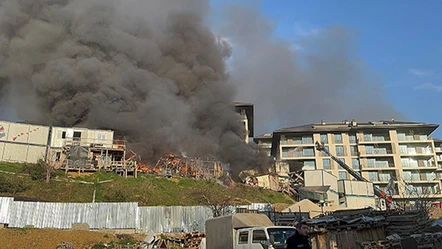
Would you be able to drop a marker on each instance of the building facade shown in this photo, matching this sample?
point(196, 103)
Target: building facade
point(245, 113)
point(264, 141)
point(403, 151)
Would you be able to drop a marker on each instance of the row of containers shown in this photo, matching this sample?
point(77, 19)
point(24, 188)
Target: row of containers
point(27, 143)
point(124, 216)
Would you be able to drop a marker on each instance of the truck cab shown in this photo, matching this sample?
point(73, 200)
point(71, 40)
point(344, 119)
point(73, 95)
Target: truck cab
point(274, 237)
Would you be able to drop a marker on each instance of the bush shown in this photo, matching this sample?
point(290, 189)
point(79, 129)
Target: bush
point(12, 185)
point(39, 170)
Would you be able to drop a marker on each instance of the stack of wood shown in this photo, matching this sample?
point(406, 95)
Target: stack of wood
point(186, 240)
point(407, 223)
point(193, 239)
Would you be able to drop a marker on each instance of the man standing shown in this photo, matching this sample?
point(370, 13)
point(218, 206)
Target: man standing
point(300, 238)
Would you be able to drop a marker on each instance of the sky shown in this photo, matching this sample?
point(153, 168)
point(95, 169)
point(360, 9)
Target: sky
point(401, 40)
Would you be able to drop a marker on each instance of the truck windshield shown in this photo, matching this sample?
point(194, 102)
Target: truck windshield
point(279, 236)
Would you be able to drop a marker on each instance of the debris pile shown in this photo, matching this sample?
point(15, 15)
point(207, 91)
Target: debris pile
point(371, 229)
point(190, 240)
point(407, 223)
point(184, 166)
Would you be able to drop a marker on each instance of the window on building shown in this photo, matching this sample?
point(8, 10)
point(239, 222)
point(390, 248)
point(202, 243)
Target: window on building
point(101, 137)
point(353, 150)
point(368, 137)
point(369, 149)
point(338, 138)
point(77, 134)
point(343, 160)
point(310, 164)
point(352, 139)
point(309, 152)
point(326, 163)
point(324, 138)
point(323, 153)
point(355, 163)
point(63, 134)
point(307, 139)
point(342, 175)
point(340, 150)
point(373, 176)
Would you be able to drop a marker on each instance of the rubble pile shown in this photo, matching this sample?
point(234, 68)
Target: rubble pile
point(190, 240)
point(171, 165)
point(396, 229)
point(330, 223)
point(383, 244)
point(407, 223)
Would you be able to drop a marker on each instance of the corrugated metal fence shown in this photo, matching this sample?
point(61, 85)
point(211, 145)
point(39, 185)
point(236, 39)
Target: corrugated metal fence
point(109, 215)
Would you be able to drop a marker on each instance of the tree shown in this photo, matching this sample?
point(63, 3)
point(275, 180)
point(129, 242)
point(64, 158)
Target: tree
point(213, 197)
point(40, 171)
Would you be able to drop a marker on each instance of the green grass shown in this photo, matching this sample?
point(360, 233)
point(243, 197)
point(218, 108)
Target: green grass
point(147, 190)
point(12, 167)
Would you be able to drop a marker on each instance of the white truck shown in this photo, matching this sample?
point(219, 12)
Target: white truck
point(245, 231)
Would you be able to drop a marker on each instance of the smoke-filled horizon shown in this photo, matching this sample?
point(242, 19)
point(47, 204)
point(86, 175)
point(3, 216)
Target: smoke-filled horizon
point(321, 78)
point(155, 72)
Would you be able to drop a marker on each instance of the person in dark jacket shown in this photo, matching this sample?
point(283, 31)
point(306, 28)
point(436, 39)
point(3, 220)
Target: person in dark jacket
point(300, 238)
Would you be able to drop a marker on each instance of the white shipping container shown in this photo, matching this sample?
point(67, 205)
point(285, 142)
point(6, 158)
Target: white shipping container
point(360, 202)
point(62, 136)
point(21, 153)
point(320, 178)
point(359, 188)
point(24, 133)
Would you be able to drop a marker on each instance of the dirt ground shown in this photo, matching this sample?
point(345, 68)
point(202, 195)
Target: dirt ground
point(50, 238)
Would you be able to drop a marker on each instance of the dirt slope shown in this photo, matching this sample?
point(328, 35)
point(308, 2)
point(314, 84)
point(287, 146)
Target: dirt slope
point(50, 238)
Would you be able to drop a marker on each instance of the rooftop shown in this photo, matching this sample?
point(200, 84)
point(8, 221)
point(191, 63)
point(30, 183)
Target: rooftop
point(346, 126)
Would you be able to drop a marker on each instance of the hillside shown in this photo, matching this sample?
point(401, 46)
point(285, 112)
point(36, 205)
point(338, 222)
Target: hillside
point(27, 180)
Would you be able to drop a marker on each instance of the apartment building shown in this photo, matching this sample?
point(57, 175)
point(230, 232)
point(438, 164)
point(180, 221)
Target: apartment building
point(264, 141)
point(378, 151)
point(246, 116)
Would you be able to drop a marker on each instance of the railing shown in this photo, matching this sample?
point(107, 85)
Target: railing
point(378, 151)
point(412, 137)
point(380, 164)
point(375, 138)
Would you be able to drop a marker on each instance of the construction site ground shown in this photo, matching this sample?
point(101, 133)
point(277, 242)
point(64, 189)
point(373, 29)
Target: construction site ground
point(49, 238)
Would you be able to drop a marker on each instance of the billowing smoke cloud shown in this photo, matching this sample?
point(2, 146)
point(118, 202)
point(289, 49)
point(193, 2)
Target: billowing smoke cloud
point(322, 79)
point(149, 69)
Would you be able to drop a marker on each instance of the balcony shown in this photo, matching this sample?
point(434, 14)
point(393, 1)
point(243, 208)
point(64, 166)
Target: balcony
point(370, 138)
point(297, 141)
point(415, 151)
point(402, 137)
point(377, 151)
point(298, 153)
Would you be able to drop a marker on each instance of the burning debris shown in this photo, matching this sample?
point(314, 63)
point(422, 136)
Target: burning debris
point(171, 165)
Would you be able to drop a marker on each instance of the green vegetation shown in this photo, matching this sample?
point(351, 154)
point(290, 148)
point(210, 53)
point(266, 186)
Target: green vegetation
point(148, 190)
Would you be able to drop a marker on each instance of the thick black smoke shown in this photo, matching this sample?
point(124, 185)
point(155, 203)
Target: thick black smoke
point(150, 70)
